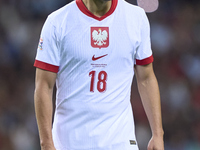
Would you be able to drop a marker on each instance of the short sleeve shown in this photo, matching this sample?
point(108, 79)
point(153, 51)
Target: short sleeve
point(143, 55)
point(47, 56)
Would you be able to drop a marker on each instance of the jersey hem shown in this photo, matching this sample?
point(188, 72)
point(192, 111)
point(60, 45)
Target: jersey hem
point(145, 61)
point(46, 66)
point(84, 9)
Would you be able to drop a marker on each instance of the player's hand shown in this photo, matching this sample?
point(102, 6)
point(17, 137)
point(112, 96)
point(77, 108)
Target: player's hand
point(156, 143)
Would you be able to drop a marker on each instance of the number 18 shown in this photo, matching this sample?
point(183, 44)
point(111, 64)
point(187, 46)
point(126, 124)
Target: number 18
point(101, 84)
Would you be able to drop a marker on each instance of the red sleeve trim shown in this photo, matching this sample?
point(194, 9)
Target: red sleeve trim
point(144, 61)
point(46, 66)
point(84, 9)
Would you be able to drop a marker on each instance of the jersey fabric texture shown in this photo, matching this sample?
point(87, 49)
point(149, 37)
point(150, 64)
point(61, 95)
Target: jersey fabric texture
point(94, 60)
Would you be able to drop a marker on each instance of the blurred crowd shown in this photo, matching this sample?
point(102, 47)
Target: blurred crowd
point(175, 34)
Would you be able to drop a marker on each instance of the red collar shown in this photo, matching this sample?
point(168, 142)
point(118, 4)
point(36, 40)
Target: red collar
point(84, 9)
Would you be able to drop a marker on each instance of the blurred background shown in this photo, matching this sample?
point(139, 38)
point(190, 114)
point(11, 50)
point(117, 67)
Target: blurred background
point(175, 34)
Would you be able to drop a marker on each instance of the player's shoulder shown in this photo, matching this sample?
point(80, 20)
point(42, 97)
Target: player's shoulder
point(63, 12)
point(131, 9)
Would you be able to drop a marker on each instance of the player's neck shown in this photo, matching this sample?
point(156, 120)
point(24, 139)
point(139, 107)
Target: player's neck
point(98, 7)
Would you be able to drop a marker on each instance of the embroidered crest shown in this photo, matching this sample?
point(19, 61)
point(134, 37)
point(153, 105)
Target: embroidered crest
point(99, 37)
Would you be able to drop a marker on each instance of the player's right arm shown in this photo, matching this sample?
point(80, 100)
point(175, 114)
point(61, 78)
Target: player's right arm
point(44, 83)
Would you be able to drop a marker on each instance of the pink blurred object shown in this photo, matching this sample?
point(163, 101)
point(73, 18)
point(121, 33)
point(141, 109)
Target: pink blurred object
point(148, 5)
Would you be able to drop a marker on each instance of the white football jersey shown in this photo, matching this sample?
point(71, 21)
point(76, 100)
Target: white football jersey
point(94, 60)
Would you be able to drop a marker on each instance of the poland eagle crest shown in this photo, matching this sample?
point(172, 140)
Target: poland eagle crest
point(99, 37)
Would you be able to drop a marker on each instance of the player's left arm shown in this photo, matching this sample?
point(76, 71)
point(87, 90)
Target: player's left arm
point(150, 95)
